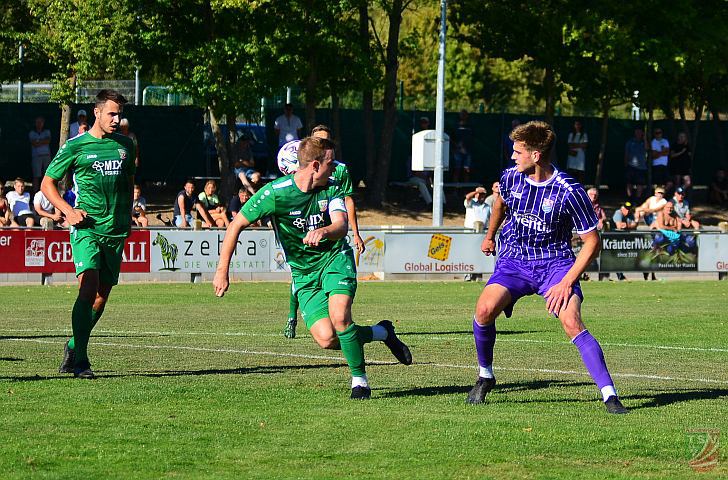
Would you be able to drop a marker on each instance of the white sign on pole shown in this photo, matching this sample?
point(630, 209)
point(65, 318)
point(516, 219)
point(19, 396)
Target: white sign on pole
point(436, 253)
point(712, 252)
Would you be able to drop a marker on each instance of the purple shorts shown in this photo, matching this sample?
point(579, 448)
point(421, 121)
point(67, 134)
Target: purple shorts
point(526, 277)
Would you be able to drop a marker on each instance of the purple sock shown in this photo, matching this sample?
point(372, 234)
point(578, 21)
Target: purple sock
point(484, 342)
point(593, 358)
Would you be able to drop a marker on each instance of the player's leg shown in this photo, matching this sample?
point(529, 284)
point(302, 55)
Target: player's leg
point(290, 330)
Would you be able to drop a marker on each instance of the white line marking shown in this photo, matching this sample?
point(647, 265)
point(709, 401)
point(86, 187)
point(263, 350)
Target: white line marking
point(376, 362)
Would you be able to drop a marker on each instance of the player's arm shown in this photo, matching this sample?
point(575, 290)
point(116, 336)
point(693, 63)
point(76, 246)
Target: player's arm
point(354, 224)
point(49, 187)
point(338, 229)
point(497, 215)
point(221, 281)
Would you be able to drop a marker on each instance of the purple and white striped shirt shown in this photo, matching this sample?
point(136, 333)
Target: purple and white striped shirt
point(540, 217)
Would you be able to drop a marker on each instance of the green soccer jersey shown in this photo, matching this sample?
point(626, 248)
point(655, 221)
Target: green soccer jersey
point(103, 171)
point(295, 213)
point(341, 175)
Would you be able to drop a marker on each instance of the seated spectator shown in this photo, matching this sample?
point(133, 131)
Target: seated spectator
point(49, 216)
point(19, 201)
point(477, 212)
point(244, 168)
point(237, 202)
point(665, 219)
point(682, 210)
point(68, 194)
point(490, 199)
point(4, 210)
point(184, 203)
point(718, 192)
point(623, 218)
point(601, 215)
point(211, 211)
point(651, 207)
point(139, 209)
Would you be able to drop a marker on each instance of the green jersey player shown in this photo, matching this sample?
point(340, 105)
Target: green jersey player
point(309, 215)
point(102, 164)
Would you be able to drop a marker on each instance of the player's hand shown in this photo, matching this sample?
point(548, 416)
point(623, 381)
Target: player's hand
point(488, 246)
point(557, 297)
point(359, 244)
point(314, 237)
point(221, 282)
point(76, 217)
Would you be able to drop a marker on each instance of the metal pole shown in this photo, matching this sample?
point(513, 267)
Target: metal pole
point(288, 95)
point(437, 192)
point(137, 86)
point(262, 111)
point(20, 81)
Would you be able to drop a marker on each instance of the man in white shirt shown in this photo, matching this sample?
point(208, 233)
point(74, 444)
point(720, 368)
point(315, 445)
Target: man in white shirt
point(660, 153)
point(19, 201)
point(74, 128)
point(287, 126)
point(40, 150)
point(477, 212)
point(648, 210)
point(49, 216)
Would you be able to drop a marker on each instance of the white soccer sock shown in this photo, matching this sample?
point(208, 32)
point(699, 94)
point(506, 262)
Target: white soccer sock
point(608, 391)
point(359, 381)
point(379, 333)
point(486, 372)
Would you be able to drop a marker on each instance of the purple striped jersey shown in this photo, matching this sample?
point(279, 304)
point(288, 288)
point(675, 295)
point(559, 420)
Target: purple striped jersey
point(540, 217)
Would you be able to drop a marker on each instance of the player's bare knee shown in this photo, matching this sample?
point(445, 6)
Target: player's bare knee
point(485, 313)
point(330, 343)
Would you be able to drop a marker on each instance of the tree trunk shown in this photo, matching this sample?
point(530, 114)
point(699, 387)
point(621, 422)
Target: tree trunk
point(602, 143)
point(693, 139)
point(311, 96)
point(336, 122)
point(719, 139)
point(683, 118)
point(227, 178)
point(549, 83)
point(367, 98)
point(377, 195)
point(223, 153)
point(66, 115)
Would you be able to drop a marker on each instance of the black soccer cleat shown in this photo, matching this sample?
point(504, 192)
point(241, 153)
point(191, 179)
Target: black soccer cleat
point(400, 351)
point(615, 406)
point(84, 372)
point(69, 358)
point(361, 393)
point(290, 330)
point(482, 387)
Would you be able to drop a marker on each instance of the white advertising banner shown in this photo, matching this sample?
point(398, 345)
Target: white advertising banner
point(712, 252)
point(198, 252)
point(436, 253)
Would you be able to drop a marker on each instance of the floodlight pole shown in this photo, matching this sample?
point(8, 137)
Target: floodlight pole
point(437, 191)
point(20, 80)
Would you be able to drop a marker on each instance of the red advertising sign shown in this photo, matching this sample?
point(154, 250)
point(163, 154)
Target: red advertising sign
point(39, 251)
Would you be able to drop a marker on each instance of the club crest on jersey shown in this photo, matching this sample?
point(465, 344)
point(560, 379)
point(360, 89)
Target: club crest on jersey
point(547, 205)
point(516, 195)
point(323, 204)
point(122, 153)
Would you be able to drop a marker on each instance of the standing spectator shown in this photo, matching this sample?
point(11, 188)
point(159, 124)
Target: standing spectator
point(49, 215)
point(287, 126)
point(40, 150)
point(490, 199)
point(624, 220)
point(718, 193)
point(139, 209)
point(681, 162)
point(660, 148)
point(124, 130)
point(682, 210)
point(593, 194)
point(74, 129)
point(576, 160)
point(635, 162)
point(212, 211)
point(462, 144)
point(19, 201)
point(4, 209)
point(184, 203)
point(477, 212)
point(651, 207)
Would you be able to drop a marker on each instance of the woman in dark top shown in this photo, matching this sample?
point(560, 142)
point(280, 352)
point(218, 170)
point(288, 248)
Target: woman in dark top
point(681, 162)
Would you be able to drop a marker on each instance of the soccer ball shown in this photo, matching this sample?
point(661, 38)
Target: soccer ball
point(288, 157)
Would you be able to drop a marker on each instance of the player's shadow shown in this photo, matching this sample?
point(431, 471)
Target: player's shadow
point(667, 398)
point(11, 359)
point(66, 336)
point(32, 337)
point(465, 332)
point(499, 388)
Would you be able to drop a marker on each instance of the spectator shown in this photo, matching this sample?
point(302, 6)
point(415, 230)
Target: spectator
point(666, 220)
point(682, 210)
point(635, 162)
point(49, 216)
point(184, 203)
point(244, 167)
point(477, 212)
point(718, 192)
point(490, 199)
point(593, 194)
point(681, 162)
point(576, 160)
point(624, 220)
point(124, 130)
point(287, 126)
point(4, 209)
point(40, 150)
point(139, 209)
point(75, 128)
point(660, 148)
point(19, 201)
point(69, 196)
point(237, 202)
point(209, 207)
point(83, 128)
point(462, 143)
point(651, 207)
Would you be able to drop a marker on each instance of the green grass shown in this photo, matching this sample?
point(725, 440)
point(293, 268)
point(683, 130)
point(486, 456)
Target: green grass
point(192, 386)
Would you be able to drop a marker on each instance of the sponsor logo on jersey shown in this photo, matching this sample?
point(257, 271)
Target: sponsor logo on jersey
point(323, 204)
point(294, 212)
point(107, 167)
point(299, 223)
point(547, 205)
point(91, 156)
point(530, 221)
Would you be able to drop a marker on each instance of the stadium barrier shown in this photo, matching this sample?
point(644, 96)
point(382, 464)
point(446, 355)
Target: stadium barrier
point(389, 250)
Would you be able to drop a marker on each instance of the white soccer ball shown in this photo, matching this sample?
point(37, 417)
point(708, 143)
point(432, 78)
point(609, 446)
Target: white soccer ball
point(288, 157)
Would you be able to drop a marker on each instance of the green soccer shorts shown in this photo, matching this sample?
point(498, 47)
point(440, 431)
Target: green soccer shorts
point(313, 289)
point(96, 252)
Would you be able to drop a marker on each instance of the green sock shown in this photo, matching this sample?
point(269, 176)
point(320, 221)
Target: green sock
point(94, 320)
point(352, 342)
point(82, 321)
point(293, 305)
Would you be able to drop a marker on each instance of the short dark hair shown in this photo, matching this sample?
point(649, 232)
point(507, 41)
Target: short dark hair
point(313, 149)
point(538, 136)
point(190, 180)
point(107, 94)
point(321, 128)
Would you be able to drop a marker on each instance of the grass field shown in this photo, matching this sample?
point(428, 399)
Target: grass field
point(192, 386)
